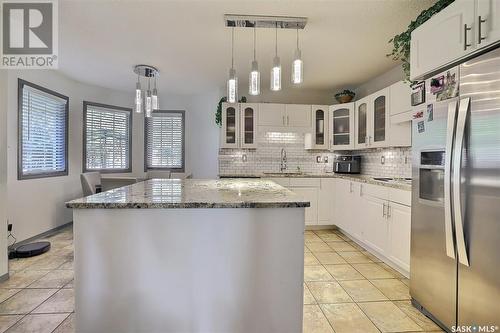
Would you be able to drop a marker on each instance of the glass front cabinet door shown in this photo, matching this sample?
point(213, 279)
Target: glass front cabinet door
point(230, 125)
point(320, 126)
point(379, 118)
point(361, 123)
point(248, 123)
point(342, 126)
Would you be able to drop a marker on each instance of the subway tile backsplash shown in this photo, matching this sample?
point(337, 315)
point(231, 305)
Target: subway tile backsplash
point(382, 162)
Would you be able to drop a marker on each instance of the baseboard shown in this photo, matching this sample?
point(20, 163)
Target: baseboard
point(321, 227)
point(44, 234)
point(4, 277)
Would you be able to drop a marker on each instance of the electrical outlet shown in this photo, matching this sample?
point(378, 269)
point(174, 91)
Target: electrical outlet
point(318, 159)
point(325, 159)
point(9, 227)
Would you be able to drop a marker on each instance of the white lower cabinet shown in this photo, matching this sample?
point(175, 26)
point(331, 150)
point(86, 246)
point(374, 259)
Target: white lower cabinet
point(310, 194)
point(376, 216)
point(400, 225)
point(325, 201)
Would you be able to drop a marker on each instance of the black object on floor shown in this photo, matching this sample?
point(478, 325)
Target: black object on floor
point(29, 250)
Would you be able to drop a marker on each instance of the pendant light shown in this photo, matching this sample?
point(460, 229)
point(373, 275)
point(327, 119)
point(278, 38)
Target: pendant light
point(276, 70)
point(254, 77)
point(138, 96)
point(232, 81)
point(297, 64)
point(149, 106)
point(154, 98)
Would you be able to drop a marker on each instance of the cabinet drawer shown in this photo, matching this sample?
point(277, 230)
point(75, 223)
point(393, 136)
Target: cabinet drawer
point(283, 181)
point(400, 196)
point(377, 191)
point(305, 182)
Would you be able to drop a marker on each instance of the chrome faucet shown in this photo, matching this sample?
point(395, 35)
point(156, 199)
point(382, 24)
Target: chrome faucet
point(283, 160)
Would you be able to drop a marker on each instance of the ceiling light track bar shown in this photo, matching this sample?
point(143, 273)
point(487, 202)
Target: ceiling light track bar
point(260, 21)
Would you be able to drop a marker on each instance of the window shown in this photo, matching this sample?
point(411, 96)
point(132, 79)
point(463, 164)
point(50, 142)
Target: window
point(107, 138)
point(164, 144)
point(43, 132)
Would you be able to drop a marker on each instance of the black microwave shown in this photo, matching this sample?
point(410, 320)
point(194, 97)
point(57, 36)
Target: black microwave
point(347, 164)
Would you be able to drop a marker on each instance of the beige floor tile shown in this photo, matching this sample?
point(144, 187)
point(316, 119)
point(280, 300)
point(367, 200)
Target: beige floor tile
point(308, 297)
point(372, 257)
point(22, 279)
point(329, 258)
point(21, 263)
point(8, 321)
point(316, 273)
point(394, 289)
point(7, 293)
point(310, 259)
point(344, 272)
point(388, 317)
point(48, 263)
point(372, 271)
point(70, 285)
point(25, 301)
point(316, 247)
point(331, 238)
point(315, 321)
point(355, 257)
point(425, 323)
point(406, 281)
point(356, 245)
point(45, 323)
point(53, 279)
point(67, 326)
point(61, 301)
point(344, 237)
point(392, 270)
point(348, 318)
point(328, 292)
point(324, 231)
point(341, 246)
point(312, 238)
point(306, 250)
point(362, 291)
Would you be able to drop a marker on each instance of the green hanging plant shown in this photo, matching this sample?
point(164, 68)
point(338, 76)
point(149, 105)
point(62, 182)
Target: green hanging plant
point(218, 113)
point(401, 42)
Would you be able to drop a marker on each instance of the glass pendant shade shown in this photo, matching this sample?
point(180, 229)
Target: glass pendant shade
point(232, 87)
point(154, 100)
point(297, 68)
point(276, 75)
point(254, 80)
point(149, 105)
point(138, 98)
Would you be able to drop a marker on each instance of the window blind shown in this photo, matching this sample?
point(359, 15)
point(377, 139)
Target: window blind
point(43, 133)
point(107, 138)
point(165, 140)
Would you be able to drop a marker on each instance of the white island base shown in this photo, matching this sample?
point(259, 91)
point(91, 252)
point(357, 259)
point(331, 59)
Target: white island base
point(189, 270)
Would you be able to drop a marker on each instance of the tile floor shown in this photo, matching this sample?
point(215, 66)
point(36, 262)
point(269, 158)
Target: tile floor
point(346, 289)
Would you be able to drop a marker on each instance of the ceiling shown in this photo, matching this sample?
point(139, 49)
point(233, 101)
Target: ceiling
point(343, 44)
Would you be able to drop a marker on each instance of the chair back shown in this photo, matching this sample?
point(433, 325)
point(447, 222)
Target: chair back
point(90, 180)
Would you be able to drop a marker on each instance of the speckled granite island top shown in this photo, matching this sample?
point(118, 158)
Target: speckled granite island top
point(195, 193)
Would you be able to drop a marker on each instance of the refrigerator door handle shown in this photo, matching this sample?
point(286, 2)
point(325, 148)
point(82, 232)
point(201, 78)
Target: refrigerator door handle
point(448, 224)
point(457, 179)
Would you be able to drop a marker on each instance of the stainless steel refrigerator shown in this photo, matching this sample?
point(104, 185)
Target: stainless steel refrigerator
point(455, 231)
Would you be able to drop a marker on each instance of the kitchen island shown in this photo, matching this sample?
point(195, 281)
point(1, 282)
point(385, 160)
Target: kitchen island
point(170, 255)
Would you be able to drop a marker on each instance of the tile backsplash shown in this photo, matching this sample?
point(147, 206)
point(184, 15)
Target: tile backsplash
point(383, 162)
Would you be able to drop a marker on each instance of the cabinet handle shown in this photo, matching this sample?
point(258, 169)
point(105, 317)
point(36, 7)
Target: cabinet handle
point(383, 211)
point(360, 190)
point(283, 120)
point(388, 210)
point(466, 28)
point(287, 120)
point(350, 187)
point(479, 34)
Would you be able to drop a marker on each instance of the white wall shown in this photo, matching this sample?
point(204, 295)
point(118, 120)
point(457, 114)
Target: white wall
point(3, 172)
point(382, 81)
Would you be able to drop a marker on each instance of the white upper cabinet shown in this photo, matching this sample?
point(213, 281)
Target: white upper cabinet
point(488, 22)
point(400, 100)
point(248, 125)
point(271, 114)
point(298, 115)
point(320, 126)
point(451, 34)
point(361, 122)
point(378, 119)
point(229, 135)
point(341, 126)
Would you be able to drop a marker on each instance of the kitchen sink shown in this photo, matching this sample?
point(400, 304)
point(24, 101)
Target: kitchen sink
point(283, 173)
point(388, 179)
point(383, 179)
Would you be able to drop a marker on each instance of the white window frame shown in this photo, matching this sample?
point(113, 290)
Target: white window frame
point(21, 175)
point(86, 104)
point(158, 113)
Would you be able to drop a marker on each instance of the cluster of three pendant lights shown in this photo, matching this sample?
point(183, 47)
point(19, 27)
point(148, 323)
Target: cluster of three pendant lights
point(254, 76)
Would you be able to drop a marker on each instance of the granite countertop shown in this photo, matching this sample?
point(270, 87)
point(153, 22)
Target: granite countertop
point(368, 179)
point(195, 193)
